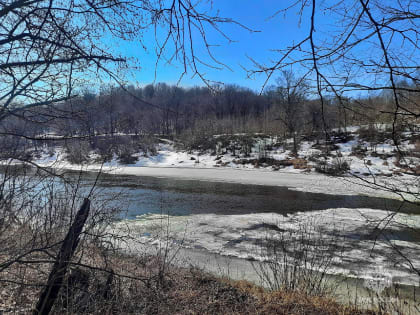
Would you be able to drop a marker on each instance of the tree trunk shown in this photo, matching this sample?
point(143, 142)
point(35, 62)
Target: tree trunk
point(55, 280)
point(295, 147)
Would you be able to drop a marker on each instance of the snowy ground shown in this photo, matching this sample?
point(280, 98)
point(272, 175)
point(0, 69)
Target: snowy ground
point(377, 165)
point(361, 253)
point(363, 157)
point(370, 161)
point(240, 235)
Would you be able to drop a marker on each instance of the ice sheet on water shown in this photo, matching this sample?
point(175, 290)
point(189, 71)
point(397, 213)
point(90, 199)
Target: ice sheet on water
point(243, 236)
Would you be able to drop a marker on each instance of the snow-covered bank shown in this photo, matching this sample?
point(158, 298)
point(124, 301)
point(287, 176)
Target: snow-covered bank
point(359, 151)
point(268, 160)
point(362, 252)
point(306, 182)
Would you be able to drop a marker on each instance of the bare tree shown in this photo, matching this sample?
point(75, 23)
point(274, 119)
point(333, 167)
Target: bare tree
point(290, 93)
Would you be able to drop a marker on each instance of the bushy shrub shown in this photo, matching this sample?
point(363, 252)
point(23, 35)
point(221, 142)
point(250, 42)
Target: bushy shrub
point(396, 133)
point(104, 146)
point(326, 146)
point(77, 152)
point(200, 141)
point(370, 134)
point(358, 150)
point(338, 166)
point(127, 158)
point(246, 143)
point(126, 155)
point(341, 137)
point(299, 259)
point(375, 134)
point(148, 145)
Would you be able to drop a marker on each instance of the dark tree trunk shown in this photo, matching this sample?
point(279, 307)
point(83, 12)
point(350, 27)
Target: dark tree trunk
point(55, 280)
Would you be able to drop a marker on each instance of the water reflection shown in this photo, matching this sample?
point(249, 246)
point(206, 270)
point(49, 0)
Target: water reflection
point(184, 197)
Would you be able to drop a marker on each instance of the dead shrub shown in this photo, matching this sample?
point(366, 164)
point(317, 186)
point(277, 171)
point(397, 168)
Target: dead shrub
point(359, 151)
point(338, 166)
point(299, 260)
point(77, 152)
point(299, 163)
point(416, 149)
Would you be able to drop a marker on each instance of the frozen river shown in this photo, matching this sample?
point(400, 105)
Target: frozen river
point(212, 217)
point(234, 220)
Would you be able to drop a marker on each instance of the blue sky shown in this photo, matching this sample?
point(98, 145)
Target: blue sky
point(277, 32)
point(274, 33)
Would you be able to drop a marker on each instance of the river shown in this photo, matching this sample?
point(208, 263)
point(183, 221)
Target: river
point(214, 221)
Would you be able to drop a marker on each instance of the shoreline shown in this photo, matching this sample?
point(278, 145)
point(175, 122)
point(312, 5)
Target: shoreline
point(241, 236)
point(299, 181)
point(345, 288)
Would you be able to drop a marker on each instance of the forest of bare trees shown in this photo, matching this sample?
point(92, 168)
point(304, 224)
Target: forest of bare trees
point(287, 109)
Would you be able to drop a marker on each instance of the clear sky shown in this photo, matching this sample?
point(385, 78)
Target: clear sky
point(274, 33)
point(278, 32)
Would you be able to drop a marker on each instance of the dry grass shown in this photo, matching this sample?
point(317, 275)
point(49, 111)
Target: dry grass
point(292, 302)
point(299, 163)
point(137, 287)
